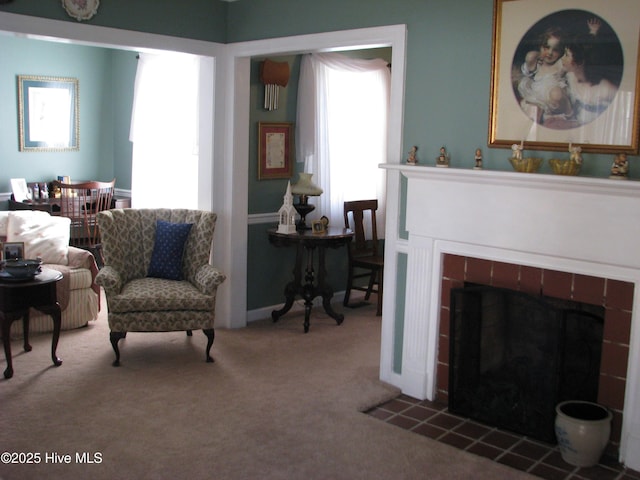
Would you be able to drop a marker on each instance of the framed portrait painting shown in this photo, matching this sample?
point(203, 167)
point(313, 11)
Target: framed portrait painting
point(565, 72)
point(275, 150)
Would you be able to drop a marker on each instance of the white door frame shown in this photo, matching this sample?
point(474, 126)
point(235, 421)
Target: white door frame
point(227, 160)
point(237, 127)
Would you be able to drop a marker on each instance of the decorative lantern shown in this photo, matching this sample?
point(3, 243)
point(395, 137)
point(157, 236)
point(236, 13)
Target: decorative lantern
point(287, 215)
point(274, 75)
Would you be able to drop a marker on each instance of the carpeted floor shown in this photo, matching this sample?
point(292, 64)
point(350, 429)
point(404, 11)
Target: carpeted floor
point(277, 404)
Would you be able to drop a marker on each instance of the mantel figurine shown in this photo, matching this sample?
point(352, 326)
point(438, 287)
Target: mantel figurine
point(575, 154)
point(620, 167)
point(442, 160)
point(517, 151)
point(412, 160)
point(478, 159)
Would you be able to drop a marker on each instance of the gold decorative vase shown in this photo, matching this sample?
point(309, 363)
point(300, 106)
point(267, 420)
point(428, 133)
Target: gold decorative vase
point(564, 167)
point(526, 165)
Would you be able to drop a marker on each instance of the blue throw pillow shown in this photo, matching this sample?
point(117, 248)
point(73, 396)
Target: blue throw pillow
point(166, 259)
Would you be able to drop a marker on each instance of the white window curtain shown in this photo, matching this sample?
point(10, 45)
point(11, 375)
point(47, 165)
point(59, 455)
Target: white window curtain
point(341, 130)
point(164, 131)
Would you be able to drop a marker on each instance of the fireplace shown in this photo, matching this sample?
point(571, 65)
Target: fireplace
point(514, 356)
point(608, 299)
point(572, 238)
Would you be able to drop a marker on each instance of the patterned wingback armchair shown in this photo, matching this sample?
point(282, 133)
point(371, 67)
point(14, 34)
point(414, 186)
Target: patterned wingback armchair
point(157, 276)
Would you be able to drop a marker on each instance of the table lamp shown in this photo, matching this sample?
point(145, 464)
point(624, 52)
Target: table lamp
point(305, 188)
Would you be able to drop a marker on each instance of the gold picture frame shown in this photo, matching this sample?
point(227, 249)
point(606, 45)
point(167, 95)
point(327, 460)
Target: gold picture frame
point(48, 113)
point(275, 150)
point(520, 109)
point(319, 227)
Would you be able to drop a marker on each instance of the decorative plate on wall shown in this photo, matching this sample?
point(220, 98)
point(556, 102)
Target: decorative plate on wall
point(81, 9)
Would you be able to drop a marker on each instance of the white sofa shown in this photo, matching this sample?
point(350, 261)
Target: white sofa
point(47, 237)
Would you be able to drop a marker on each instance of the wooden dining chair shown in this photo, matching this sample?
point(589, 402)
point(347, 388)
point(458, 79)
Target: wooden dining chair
point(365, 258)
point(81, 202)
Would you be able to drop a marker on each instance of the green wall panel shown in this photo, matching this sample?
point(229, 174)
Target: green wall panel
point(105, 91)
point(447, 87)
point(448, 67)
point(199, 19)
point(398, 326)
point(266, 195)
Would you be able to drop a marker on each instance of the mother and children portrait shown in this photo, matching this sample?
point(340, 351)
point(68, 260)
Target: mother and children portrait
point(567, 69)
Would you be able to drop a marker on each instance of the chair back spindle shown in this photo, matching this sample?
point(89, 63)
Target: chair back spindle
point(81, 202)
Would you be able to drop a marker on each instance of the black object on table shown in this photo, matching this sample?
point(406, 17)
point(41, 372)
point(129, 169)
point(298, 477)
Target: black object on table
point(17, 296)
point(306, 241)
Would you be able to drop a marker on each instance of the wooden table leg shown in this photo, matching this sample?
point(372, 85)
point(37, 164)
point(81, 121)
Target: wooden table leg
point(56, 315)
point(6, 330)
point(292, 288)
point(25, 331)
point(15, 300)
point(325, 290)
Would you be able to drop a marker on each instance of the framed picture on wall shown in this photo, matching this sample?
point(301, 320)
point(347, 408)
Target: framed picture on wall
point(48, 113)
point(275, 150)
point(565, 72)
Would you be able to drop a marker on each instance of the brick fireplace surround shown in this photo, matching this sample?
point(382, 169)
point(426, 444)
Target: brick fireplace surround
point(568, 237)
point(615, 296)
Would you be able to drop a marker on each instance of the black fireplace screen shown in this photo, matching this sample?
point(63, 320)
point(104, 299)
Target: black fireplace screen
point(514, 356)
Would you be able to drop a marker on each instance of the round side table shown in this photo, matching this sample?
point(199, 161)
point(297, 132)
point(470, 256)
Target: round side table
point(16, 297)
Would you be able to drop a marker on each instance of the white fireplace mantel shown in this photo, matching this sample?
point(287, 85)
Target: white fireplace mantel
point(579, 225)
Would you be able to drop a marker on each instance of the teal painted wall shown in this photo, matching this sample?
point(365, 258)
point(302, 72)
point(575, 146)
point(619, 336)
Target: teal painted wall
point(448, 69)
point(199, 19)
point(398, 325)
point(448, 74)
point(105, 85)
point(264, 261)
point(266, 195)
point(447, 94)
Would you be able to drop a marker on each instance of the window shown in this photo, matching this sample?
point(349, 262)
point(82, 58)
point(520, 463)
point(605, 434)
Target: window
point(164, 132)
point(342, 129)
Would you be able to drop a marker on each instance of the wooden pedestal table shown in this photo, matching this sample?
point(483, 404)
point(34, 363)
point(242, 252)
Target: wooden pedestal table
point(307, 242)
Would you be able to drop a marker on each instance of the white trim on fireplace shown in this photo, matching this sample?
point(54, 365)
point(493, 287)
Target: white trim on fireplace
point(571, 224)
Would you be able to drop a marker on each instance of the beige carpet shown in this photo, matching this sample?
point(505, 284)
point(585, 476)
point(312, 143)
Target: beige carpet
point(277, 404)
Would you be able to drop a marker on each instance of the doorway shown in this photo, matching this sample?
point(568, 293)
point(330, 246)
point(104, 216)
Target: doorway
point(223, 181)
point(239, 125)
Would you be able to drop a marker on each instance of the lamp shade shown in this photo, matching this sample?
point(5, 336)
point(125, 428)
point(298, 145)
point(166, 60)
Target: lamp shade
point(305, 186)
